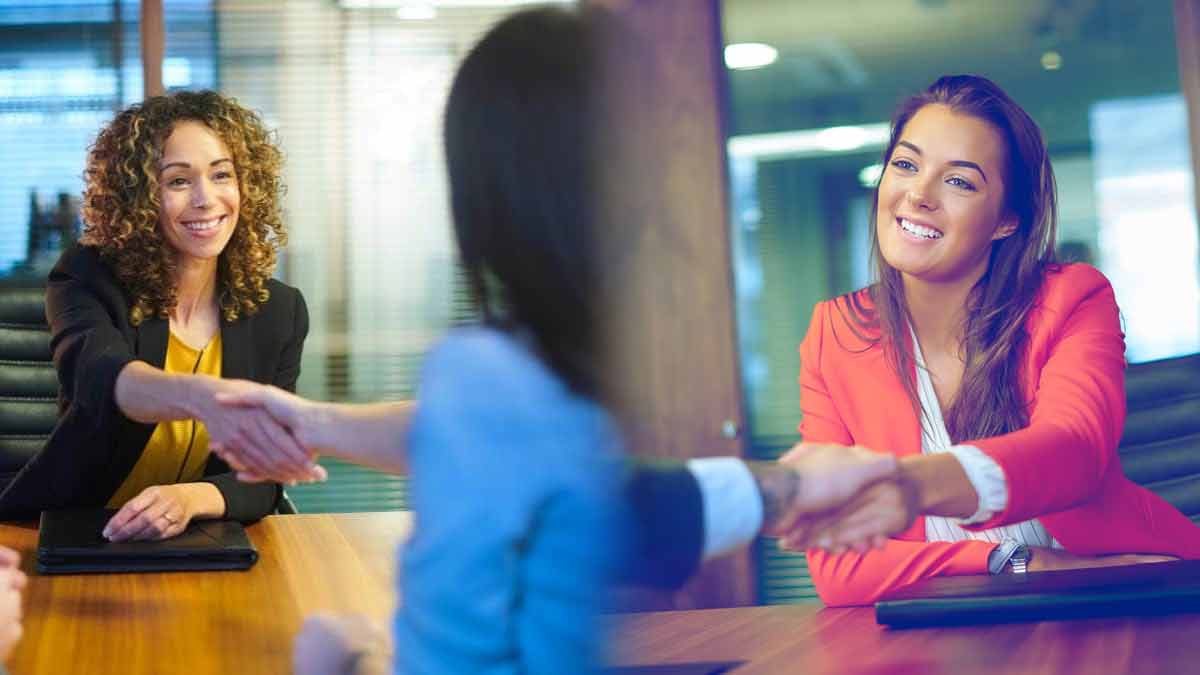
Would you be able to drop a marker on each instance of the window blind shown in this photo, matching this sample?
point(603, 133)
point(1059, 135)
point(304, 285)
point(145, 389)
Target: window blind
point(356, 95)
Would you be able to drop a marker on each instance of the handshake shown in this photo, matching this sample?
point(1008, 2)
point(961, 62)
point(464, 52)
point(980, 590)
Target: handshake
point(817, 495)
point(267, 434)
point(835, 497)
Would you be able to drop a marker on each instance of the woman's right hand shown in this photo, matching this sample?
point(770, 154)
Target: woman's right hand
point(1047, 559)
point(256, 444)
point(300, 418)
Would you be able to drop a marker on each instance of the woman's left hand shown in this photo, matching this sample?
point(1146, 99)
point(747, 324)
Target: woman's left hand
point(158, 512)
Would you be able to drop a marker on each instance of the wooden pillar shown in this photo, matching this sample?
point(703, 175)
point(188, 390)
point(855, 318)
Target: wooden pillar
point(154, 40)
point(667, 202)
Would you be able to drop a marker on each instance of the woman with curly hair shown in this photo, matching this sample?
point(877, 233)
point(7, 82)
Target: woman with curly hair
point(167, 300)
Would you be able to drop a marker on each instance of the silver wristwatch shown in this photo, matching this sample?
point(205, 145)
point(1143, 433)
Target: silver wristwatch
point(1009, 552)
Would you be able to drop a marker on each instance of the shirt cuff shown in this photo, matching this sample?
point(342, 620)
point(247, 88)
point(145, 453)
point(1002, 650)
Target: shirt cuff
point(986, 477)
point(733, 511)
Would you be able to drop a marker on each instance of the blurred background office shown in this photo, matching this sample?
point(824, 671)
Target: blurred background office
point(355, 89)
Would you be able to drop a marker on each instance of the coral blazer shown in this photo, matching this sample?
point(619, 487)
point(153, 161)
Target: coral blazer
point(1062, 469)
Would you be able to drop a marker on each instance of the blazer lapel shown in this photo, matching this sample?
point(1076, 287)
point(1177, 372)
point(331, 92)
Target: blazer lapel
point(237, 341)
point(152, 341)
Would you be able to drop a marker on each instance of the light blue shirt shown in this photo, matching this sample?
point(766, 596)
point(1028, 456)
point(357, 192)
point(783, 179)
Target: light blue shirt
point(515, 484)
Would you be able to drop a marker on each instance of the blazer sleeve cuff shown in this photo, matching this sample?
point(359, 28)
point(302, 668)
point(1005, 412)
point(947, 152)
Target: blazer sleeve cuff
point(987, 478)
point(245, 502)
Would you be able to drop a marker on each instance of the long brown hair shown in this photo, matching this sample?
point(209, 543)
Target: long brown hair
point(121, 203)
point(990, 400)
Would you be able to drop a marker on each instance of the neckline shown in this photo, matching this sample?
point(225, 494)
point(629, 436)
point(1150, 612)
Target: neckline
point(171, 336)
point(932, 423)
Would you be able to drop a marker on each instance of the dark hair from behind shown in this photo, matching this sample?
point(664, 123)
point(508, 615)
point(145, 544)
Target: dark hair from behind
point(990, 400)
point(519, 139)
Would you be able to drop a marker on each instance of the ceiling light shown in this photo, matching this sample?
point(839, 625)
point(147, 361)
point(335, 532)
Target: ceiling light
point(1051, 60)
point(749, 55)
point(842, 139)
point(811, 142)
point(443, 4)
point(417, 12)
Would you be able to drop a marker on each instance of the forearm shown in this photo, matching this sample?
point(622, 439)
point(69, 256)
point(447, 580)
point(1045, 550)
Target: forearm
point(941, 484)
point(147, 394)
point(372, 434)
point(862, 578)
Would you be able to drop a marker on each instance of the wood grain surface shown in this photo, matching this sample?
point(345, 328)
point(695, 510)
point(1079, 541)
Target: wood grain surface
point(208, 622)
point(814, 641)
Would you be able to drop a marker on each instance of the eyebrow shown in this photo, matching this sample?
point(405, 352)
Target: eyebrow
point(185, 165)
point(955, 162)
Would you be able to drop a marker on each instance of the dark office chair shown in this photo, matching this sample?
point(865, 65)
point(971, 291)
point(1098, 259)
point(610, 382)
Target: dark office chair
point(1161, 445)
point(28, 383)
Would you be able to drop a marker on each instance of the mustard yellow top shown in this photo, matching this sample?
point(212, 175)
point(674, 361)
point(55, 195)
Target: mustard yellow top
point(177, 450)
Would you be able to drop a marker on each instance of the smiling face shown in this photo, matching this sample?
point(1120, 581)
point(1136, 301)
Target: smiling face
point(941, 197)
point(198, 191)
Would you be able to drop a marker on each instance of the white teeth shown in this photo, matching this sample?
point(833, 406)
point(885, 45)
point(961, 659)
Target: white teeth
point(202, 225)
point(919, 230)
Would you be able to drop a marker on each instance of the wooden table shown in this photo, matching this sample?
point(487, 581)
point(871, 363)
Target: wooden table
point(813, 641)
point(208, 622)
point(243, 622)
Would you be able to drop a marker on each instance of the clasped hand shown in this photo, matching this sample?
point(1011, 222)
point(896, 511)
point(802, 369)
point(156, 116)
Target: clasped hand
point(251, 437)
point(842, 498)
point(278, 435)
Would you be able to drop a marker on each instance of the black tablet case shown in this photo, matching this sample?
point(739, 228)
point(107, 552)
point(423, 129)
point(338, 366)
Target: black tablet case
point(69, 542)
point(1131, 590)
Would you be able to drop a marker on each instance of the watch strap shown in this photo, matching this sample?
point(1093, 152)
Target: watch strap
point(1020, 559)
point(1000, 556)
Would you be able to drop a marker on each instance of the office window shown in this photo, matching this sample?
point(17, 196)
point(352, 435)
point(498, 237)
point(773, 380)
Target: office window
point(809, 119)
point(65, 67)
point(356, 91)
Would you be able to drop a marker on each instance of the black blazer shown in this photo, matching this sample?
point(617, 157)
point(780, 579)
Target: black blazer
point(667, 538)
point(94, 446)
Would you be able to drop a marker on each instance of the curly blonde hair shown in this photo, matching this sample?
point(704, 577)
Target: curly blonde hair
point(121, 202)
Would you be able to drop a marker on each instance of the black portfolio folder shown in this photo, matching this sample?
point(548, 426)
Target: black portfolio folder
point(1156, 588)
point(69, 542)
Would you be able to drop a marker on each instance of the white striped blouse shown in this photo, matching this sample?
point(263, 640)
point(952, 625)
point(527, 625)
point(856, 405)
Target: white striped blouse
point(985, 476)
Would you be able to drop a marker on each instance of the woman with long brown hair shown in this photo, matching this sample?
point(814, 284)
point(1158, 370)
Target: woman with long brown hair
point(167, 298)
point(996, 373)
